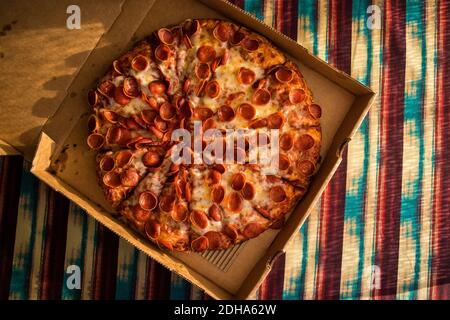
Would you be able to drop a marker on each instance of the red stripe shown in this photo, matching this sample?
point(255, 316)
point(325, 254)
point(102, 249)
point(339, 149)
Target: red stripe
point(285, 22)
point(440, 265)
point(286, 17)
point(391, 149)
point(105, 264)
point(239, 3)
point(158, 281)
point(272, 287)
point(55, 246)
point(333, 199)
point(9, 202)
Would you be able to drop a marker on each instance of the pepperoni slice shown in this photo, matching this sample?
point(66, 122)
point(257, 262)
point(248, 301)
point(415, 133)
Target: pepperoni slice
point(225, 57)
point(148, 116)
point(129, 178)
point(107, 163)
point(248, 191)
point(277, 194)
point(304, 142)
point(185, 110)
point(238, 181)
point(247, 111)
point(166, 203)
point(123, 158)
point(283, 162)
point(110, 116)
point(187, 42)
point(215, 213)
point(252, 230)
point(93, 123)
point(162, 52)
point(219, 167)
point(202, 71)
point(95, 141)
point(208, 124)
point(200, 244)
point(213, 177)
point(93, 98)
point(200, 87)
point(157, 87)
point(230, 231)
point(258, 123)
point(140, 63)
point(283, 75)
point(140, 214)
point(296, 95)
point(147, 200)
point(131, 87)
point(206, 54)
point(152, 229)
point(112, 179)
point(191, 27)
point(212, 89)
point(315, 111)
point(217, 194)
point(286, 141)
point(160, 124)
point(120, 97)
point(275, 121)
point(306, 167)
point(203, 113)
point(250, 44)
point(107, 88)
point(215, 64)
point(186, 85)
point(223, 32)
point(117, 67)
point(165, 244)
point(246, 76)
point(180, 213)
point(237, 38)
point(117, 135)
point(216, 240)
point(225, 113)
point(261, 97)
point(199, 219)
point(165, 36)
point(151, 159)
point(167, 111)
point(235, 202)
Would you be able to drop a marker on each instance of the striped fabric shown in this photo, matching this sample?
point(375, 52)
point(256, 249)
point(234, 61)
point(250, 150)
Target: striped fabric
point(382, 227)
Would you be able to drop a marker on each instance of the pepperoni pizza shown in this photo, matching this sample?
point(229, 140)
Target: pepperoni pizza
point(223, 77)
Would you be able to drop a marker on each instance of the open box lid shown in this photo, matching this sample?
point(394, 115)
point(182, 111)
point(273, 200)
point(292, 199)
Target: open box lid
point(39, 58)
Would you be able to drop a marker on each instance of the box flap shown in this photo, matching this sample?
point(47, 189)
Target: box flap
point(39, 58)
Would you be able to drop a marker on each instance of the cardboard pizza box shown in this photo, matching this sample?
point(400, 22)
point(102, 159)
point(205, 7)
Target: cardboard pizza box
point(51, 117)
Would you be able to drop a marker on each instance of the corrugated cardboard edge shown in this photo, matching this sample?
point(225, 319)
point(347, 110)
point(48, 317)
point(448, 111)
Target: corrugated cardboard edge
point(41, 169)
point(7, 150)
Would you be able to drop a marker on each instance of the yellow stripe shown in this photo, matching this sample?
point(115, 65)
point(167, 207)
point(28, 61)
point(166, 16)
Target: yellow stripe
point(36, 268)
point(293, 263)
point(428, 139)
point(322, 29)
point(89, 259)
point(141, 276)
point(268, 12)
point(372, 173)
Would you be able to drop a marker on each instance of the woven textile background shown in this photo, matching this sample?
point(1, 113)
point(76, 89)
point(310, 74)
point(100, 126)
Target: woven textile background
point(382, 227)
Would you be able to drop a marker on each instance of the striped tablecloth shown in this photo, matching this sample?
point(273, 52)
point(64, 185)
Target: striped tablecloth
point(382, 227)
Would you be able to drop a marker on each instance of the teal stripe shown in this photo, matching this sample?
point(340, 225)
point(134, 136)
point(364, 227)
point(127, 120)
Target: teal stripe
point(255, 7)
point(179, 288)
point(307, 12)
point(125, 286)
point(355, 198)
point(20, 275)
point(411, 199)
point(78, 259)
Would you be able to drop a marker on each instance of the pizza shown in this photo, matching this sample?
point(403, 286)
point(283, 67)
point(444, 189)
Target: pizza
point(248, 135)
